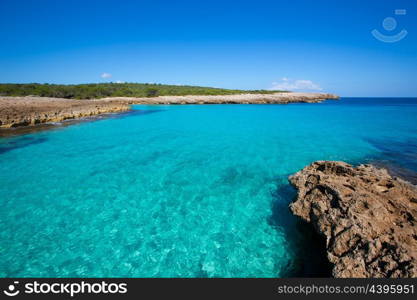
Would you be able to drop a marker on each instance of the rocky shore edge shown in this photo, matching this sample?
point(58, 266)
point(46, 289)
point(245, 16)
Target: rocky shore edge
point(29, 111)
point(367, 217)
point(276, 98)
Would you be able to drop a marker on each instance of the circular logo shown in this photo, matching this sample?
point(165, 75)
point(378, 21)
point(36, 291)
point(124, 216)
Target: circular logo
point(389, 24)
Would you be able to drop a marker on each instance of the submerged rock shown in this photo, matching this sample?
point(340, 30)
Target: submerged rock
point(368, 218)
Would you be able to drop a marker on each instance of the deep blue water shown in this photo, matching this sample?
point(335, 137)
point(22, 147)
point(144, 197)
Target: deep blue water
point(183, 191)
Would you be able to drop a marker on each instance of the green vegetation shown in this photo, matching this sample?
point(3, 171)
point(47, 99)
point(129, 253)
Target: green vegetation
point(101, 90)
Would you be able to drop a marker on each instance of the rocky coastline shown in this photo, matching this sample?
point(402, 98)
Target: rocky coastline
point(30, 110)
point(276, 98)
point(367, 217)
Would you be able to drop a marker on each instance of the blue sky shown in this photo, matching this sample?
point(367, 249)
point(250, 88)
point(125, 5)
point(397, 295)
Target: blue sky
point(299, 45)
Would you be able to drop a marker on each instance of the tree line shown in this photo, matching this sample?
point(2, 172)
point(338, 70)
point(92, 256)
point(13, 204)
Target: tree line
point(102, 90)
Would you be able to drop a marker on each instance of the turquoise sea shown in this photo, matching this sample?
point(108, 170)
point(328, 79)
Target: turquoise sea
point(184, 191)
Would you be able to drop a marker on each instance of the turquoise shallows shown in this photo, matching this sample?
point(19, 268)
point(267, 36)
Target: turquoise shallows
point(182, 191)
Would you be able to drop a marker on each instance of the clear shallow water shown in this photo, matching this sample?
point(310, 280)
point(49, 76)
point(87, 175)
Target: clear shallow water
point(182, 191)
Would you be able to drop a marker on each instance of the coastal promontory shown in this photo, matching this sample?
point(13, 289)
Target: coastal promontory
point(367, 217)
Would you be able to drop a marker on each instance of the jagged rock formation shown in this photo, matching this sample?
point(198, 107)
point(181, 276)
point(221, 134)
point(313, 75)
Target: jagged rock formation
point(368, 218)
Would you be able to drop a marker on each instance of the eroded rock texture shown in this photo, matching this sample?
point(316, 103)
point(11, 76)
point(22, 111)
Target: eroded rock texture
point(369, 218)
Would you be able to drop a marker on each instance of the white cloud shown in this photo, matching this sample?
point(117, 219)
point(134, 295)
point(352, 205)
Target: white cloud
point(120, 81)
point(105, 75)
point(295, 85)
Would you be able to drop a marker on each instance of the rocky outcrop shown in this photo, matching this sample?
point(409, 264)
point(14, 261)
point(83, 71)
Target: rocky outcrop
point(368, 218)
point(26, 111)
